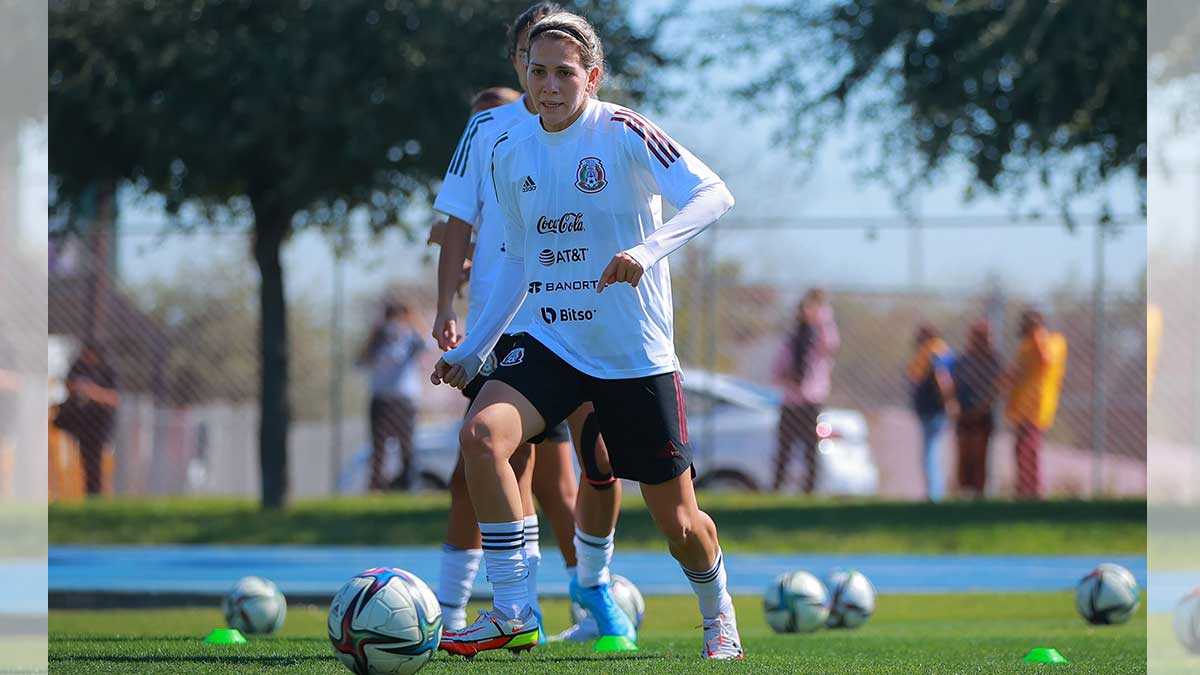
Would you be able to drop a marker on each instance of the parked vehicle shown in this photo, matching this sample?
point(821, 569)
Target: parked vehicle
point(732, 424)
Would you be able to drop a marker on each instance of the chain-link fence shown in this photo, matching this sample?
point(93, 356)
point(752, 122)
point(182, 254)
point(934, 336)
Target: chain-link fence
point(182, 342)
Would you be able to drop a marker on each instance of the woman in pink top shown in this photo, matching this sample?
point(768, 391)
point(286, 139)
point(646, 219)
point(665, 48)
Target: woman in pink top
point(803, 369)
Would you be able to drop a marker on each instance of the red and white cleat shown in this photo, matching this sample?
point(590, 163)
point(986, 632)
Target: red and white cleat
point(721, 640)
point(493, 631)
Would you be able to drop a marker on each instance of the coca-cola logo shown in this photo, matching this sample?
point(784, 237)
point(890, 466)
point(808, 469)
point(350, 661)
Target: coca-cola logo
point(564, 224)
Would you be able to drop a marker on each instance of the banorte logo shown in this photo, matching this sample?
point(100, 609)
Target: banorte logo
point(564, 224)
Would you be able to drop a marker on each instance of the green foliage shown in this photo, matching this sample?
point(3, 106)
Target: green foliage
point(968, 633)
point(1016, 89)
point(315, 108)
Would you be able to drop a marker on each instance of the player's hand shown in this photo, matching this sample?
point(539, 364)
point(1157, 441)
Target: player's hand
point(445, 330)
point(444, 373)
point(622, 268)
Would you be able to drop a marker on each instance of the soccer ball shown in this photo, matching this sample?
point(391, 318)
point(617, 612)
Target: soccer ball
point(385, 621)
point(254, 605)
point(1107, 595)
point(1187, 621)
point(796, 602)
point(628, 598)
point(852, 599)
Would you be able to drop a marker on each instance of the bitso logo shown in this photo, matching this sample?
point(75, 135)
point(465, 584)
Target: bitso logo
point(514, 357)
point(567, 222)
point(567, 255)
point(591, 176)
point(551, 315)
point(535, 287)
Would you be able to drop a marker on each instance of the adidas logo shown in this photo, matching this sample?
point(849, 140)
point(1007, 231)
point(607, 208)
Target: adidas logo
point(528, 185)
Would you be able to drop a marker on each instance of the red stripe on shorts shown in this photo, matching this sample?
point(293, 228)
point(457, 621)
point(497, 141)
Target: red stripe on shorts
point(682, 409)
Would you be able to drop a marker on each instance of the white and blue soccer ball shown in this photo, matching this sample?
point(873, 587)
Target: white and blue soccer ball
point(625, 594)
point(254, 606)
point(385, 621)
point(1187, 621)
point(796, 602)
point(851, 599)
point(1107, 595)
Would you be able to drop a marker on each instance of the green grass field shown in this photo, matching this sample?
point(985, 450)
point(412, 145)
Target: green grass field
point(748, 522)
point(1167, 656)
point(909, 634)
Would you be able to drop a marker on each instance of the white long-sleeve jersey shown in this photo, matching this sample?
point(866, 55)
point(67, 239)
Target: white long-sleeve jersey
point(573, 199)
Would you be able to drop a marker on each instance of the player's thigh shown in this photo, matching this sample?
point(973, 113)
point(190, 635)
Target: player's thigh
point(554, 465)
point(499, 421)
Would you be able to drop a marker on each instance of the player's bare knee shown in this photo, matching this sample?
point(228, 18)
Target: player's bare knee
point(678, 529)
point(479, 443)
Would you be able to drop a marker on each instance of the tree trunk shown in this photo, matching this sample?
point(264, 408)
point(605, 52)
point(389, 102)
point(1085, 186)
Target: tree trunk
point(270, 230)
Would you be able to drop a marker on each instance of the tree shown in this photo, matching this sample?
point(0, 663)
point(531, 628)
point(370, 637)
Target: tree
point(276, 116)
point(1016, 89)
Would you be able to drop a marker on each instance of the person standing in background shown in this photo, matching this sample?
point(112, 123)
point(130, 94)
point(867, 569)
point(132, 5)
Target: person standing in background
point(803, 368)
point(90, 412)
point(933, 400)
point(1036, 382)
point(391, 354)
point(976, 378)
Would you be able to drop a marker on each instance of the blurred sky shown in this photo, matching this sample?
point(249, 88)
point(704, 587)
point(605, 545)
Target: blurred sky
point(965, 243)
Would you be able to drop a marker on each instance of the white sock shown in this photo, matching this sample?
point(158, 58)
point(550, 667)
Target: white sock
point(454, 584)
point(533, 559)
point(709, 586)
point(594, 555)
point(504, 551)
point(570, 572)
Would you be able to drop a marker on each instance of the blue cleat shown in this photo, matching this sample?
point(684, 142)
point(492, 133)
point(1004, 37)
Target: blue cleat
point(610, 620)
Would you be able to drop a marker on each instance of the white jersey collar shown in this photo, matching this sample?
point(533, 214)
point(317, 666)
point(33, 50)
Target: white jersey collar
point(573, 131)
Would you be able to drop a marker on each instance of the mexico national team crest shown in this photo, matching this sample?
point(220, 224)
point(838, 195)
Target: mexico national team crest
point(591, 176)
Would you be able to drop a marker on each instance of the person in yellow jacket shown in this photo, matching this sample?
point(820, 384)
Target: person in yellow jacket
point(1036, 382)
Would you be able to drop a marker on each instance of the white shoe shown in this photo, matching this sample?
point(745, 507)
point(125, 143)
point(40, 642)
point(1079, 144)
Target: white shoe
point(493, 631)
point(584, 631)
point(721, 640)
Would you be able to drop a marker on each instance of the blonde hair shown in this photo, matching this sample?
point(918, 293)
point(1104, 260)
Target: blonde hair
point(567, 26)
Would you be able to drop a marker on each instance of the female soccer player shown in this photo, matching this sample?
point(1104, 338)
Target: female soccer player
point(580, 188)
point(467, 198)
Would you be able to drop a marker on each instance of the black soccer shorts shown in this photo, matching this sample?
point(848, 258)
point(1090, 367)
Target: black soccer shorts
point(643, 420)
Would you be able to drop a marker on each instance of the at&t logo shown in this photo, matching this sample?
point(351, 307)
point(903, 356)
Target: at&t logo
point(548, 257)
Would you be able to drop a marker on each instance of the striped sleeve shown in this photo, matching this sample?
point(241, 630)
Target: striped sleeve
point(462, 193)
point(669, 168)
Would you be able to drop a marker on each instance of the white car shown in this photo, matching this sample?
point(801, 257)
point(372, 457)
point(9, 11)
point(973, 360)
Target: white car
point(733, 426)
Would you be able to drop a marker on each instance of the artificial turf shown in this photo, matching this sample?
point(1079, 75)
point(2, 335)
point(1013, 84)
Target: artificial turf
point(973, 633)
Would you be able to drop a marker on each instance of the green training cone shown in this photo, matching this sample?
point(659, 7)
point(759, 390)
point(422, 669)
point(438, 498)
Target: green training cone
point(615, 643)
point(1045, 655)
point(225, 636)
